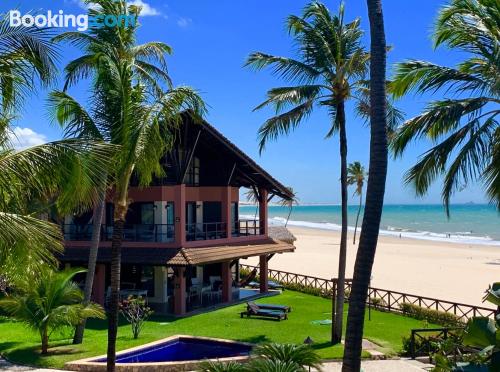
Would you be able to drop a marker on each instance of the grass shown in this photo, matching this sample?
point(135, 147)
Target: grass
point(19, 344)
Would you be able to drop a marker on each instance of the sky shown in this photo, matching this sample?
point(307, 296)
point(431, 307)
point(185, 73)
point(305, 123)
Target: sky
point(211, 40)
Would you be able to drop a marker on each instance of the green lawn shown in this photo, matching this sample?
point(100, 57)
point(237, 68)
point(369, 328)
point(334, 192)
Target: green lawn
point(17, 343)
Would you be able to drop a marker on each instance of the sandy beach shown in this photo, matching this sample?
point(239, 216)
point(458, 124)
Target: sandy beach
point(448, 271)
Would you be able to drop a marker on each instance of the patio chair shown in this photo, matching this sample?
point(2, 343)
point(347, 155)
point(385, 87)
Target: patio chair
point(284, 308)
point(254, 310)
point(270, 283)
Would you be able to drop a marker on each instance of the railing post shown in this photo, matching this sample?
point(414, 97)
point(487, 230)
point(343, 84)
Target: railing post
point(412, 344)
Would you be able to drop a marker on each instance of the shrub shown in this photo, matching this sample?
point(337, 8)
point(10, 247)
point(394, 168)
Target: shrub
point(135, 310)
point(432, 316)
point(378, 303)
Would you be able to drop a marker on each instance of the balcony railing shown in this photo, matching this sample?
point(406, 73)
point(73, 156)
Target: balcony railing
point(163, 233)
point(246, 228)
point(206, 231)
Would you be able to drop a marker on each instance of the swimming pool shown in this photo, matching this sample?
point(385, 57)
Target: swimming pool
point(177, 353)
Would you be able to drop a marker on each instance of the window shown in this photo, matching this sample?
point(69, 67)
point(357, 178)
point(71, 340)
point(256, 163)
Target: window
point(193, 172)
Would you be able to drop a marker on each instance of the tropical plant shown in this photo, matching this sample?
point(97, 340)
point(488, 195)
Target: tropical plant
point(289, 203)
point(463, 126)
point(374, 193)
point(142, 108)
point(135, 310)
point(301, 355)
point(329, 71)
point(272, 358)
point(49, 301)
point(484, 333)
point(356, 176)
point(210, 366)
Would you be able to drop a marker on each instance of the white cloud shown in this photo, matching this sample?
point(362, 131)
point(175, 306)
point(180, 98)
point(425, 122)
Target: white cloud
point(184, 22)
point(22, 138)
point(147, 9)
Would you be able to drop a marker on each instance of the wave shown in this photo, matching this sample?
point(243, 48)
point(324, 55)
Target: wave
point(463, 237)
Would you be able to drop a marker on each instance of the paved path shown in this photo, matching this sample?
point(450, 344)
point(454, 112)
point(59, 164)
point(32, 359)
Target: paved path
point(368, 366)
point(6, 366)
point(382, 366)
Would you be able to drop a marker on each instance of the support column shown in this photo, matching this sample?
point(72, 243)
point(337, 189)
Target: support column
point(264, 285)
point(98, 290)
point(226, 210)
point(180, 215)
point(227, 281)
point(263, 211)
point(179, 291)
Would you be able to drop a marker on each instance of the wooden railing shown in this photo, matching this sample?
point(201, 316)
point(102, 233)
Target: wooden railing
point(390, 300)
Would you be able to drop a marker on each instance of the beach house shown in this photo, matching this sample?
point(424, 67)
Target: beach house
point(183, 237)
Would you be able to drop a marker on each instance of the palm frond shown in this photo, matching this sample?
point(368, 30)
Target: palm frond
point(287, 68)
point(284, 123)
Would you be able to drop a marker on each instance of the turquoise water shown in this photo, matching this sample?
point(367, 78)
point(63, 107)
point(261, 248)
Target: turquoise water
point(468, 223)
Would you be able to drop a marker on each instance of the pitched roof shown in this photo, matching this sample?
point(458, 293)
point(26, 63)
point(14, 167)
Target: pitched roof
point(196, 256)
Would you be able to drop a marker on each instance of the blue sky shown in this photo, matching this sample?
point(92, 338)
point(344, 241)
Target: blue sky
point(211, 40)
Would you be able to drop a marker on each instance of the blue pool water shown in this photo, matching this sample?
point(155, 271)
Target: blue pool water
point(184, 349)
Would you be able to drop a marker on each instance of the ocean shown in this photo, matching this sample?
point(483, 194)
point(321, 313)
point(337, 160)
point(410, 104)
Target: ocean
point(468, 223)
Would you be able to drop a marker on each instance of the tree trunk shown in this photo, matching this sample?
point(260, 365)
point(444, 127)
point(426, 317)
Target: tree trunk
point(116, 245)
point(94, 248)
point(339, 312)
point(45, 341)
point(374, 194)
point(357, 216)
point(288, 217)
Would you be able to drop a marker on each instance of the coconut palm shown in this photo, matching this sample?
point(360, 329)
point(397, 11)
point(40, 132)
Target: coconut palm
point(329, 71)
point(27, 58)
point(26, 61)
point(374, 193)
point(289, 203)
point(356, 176)
point(463, 126)
point(131, 85)
point(49, 301)
point(68, 169)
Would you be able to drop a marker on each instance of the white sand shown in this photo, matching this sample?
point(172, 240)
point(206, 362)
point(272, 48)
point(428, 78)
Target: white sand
point(448, 271)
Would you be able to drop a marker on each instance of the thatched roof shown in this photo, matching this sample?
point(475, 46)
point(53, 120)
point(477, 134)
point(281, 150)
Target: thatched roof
point(281, 233)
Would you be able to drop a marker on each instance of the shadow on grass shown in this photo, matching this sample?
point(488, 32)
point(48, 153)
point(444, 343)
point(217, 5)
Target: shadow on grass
point(259, 339)
point(322, 345)
point(8, 345)
point(102, 324)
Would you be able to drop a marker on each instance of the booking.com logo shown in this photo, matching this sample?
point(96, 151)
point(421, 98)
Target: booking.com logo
point(81, 22)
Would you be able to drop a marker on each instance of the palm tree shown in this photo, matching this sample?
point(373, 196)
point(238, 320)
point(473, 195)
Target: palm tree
point(356, 176)
point(27, 59)
point(129, 83)
point(289, 203)
point(49, 301)
point(463, 126)
point(374, 193)
point(329, 71)
point(78, 123)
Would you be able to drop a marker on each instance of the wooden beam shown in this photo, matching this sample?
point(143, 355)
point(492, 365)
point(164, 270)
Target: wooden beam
point(231, 175)
point(190, 157)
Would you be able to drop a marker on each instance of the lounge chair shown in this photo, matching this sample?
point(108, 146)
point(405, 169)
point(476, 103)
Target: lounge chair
point(254, 310)
point(270, 283)
point(284, 308)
